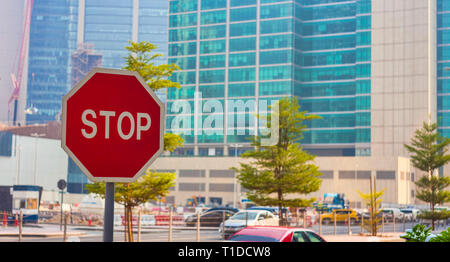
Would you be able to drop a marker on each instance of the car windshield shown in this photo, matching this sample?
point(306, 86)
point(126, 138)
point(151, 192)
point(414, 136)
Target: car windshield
point(251, 238)
point(406, 211)
point(244, 216)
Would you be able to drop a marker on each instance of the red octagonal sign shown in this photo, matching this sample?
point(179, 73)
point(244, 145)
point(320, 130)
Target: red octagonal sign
point(112, 125)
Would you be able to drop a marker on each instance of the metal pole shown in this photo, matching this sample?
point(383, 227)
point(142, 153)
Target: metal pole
point(35, 161)
point(198, 226)
point(348, 223)
point(223, 225)
point(61, 211)
point(65, 227)
point(362, 222)
point(304, 218)
point(393, 218)
point(404, 224)
point(334, 218)
point(108, 225)
point(20, 225)
point(139, 226)
point(170, 224)
point(320, 222)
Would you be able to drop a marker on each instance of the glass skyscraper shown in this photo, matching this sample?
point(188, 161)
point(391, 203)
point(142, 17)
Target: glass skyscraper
point(59, 27)
point(443, 60)
point(262, 50)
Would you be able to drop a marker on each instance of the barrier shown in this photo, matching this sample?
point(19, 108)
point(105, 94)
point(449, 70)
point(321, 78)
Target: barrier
point(163, 220)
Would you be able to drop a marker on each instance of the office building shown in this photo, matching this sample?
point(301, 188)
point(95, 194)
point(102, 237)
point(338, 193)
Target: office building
point(368, 67)
point(58, 27)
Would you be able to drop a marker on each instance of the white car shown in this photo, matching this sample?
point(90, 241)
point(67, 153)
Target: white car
point(410, 214)
point(246, 218)
point(389, 211)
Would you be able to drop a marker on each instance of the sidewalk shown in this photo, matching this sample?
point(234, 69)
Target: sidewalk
point(384, 237)
point(38, 231)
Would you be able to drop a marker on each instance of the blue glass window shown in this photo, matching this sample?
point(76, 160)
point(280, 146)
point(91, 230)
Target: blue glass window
point(275, 11)
point(242, 14)
point(210, 91)
point(241, 74)
point(184, 78)
point(242, 44)
point(241, 59)
point(243, 89)
point(181, 49)
point(275, 41)
point(184, 34)
point(275, 72)
point(213, 17)
point(185, 63)
point(242, 2)
point(275, 88)
point(212, 76)
point(276, 26)
point(207, 32)
point(183, 6)
point(275, 57)
point(215, 46)
point(243, 29)
point(208, 4)
point(184, 92)
point(183, 20)
point(212, 61)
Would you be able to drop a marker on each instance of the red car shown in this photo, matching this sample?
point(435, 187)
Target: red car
point(275, 234)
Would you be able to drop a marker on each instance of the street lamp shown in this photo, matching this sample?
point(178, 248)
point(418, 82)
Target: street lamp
point(36, 136)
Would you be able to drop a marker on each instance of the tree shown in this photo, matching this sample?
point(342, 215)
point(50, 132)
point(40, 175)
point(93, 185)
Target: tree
point(151, 185)
point(280, 171)
point(131, 195)
point(373, 202)
point(428, 151)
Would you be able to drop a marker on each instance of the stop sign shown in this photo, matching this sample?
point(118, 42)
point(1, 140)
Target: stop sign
point(112, 125)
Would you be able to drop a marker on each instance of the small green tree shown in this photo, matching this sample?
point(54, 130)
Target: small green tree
point(130, 195)
point(373, 202)
point(428, 151)
point(281, 170)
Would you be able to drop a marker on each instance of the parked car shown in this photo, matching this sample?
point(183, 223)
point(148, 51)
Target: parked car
point(275, 234)
point(390, 213)
point(410, 214)
point(274, 210)
point(209, 219)
point(235, 210)
point(246, 218)
point(341, 216)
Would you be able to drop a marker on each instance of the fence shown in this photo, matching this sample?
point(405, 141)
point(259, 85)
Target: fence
point(172, 226)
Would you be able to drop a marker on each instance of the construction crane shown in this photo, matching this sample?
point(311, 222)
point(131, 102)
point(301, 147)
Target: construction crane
point(16, 76)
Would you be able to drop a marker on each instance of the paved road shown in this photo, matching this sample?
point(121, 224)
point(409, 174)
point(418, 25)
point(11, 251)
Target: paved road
point(152, 235)
point(180, 235)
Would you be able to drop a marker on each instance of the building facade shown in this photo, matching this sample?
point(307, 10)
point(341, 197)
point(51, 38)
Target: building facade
point(59, 27)
point(368, 67)
point(255, 52)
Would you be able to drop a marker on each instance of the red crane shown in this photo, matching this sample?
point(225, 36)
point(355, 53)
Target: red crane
point(16, 76)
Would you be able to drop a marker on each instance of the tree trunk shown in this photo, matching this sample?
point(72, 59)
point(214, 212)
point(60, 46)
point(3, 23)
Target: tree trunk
point(125, 225)
point(280, 209)
point(130, 224)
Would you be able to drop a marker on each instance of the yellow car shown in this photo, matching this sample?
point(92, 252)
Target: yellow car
point(341, 216)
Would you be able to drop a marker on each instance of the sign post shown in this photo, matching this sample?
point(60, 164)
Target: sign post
point(61, 185)
point(113, 129)
point(108, 234)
